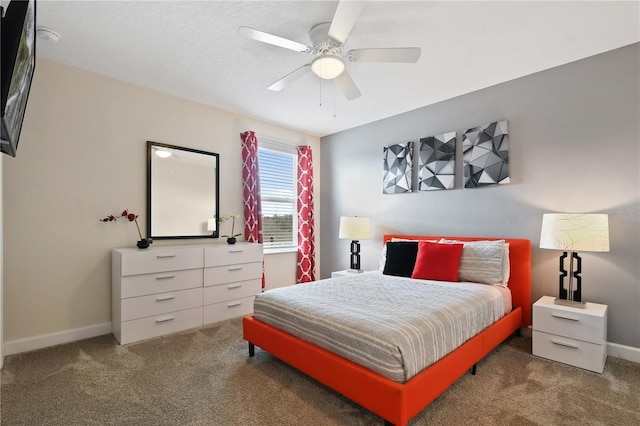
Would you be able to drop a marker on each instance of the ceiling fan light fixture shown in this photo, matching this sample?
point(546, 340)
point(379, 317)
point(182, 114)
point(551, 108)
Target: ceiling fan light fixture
point(327, 66)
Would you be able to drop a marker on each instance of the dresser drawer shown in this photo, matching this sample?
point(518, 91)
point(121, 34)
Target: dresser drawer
point(231, 254)
point(571, 322)
point(159, 259)
point(160, 282)
point(569, 351)
point(231, 273)
point(161, 303)
point(230, 309)
point(159, 325)
point(230, 291)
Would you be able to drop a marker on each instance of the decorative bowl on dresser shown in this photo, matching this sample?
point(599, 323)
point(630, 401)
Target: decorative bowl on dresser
point(167, 289)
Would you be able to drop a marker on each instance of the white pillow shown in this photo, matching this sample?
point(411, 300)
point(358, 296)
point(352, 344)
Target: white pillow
point(383, 258)
point(484, 262)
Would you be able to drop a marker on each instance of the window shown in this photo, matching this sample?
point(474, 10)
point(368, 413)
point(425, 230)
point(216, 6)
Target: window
point(278, 195)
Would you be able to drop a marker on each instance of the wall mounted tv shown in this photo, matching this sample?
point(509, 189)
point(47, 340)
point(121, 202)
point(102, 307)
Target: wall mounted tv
point(18, 65)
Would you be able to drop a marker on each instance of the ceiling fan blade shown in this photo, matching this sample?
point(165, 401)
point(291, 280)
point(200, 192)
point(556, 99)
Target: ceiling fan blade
point(273, 39)
point(289, 78)
point(344, 19)
point(394, 54)
point(347, 86)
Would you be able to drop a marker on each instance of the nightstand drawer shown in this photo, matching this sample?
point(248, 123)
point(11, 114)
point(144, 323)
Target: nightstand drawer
point(569, 351)
point(573, 322)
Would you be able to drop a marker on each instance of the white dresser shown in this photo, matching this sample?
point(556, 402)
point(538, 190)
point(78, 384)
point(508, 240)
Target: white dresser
point(570, 335)
point(162, 290)
point(232, 278)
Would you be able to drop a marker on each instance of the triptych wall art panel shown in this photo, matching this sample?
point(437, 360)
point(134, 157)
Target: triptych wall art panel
point(485, 160)
point(437, 162)
point(397, 168)
point(485, 155)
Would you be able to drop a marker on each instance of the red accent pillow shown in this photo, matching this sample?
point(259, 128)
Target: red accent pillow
point(437, 262)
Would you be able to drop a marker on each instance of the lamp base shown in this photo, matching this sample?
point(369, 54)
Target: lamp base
point(571, 303)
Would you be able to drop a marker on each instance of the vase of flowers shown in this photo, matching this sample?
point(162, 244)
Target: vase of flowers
point(231, 238)
point(131, 217)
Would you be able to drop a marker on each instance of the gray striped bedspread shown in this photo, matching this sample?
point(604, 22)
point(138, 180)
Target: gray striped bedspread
point(394, 326)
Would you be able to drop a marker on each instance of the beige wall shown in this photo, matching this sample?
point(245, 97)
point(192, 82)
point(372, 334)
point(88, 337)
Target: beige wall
point(82, 156)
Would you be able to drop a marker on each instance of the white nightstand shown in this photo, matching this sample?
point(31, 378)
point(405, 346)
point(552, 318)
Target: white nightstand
point(570, 335)
point(345, 273)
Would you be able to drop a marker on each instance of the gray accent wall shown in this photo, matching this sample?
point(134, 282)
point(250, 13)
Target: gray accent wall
point(574, 137)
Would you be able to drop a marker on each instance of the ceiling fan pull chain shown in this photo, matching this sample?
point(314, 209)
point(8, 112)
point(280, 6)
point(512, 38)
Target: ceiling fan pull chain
point(334, 102)
point(320, 103)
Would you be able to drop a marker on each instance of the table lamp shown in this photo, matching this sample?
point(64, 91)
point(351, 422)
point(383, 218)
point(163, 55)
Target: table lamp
point(212, 225)
point(354, 228)
point(572, 233)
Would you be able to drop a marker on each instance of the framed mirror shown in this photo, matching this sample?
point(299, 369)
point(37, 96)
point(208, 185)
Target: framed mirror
point(183, 198)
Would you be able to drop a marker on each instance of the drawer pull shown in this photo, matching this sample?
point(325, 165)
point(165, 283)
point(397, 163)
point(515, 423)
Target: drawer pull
point(165, 319)
point(164, 256)
point(163, 298)
point(233, 305)
point(231, 287)
point(566, 344)
point(236, 251)
point(567, 317)
point(165, 277)
point(237, 268)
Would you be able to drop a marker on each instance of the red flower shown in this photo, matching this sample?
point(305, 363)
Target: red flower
point(131, 217)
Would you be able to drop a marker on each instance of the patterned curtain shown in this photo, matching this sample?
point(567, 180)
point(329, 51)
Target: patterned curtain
point(306, 270)
point(251, 191)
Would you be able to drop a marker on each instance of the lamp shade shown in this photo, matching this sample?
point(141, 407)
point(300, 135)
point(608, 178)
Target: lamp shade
point(575, 232)
point(354, 228)
point(327, 66)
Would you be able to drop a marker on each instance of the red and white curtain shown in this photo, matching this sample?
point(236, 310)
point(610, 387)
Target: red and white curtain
point(251, 190)
point(306, 269)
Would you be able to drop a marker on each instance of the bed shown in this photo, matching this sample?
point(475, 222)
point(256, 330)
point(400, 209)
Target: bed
point(396, 402)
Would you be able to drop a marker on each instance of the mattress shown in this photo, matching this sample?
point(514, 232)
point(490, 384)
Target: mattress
point(394, 326)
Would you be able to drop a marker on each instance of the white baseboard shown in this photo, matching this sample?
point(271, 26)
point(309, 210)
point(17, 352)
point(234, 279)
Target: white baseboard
point(625, 352)
point(45, 340)
point(38, 342)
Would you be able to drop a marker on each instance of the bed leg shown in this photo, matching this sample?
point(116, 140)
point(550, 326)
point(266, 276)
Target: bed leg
point(473, 369)
point(518, 333)
point(252, 349)
point(387, 423)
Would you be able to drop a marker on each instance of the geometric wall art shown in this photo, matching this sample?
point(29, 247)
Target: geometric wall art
point(485, 155)
point(437, 162)
point(397, 165)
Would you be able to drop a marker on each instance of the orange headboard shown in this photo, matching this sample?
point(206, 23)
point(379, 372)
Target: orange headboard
point(520, 262)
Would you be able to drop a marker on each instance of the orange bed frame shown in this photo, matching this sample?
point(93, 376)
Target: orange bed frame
point(397, 403)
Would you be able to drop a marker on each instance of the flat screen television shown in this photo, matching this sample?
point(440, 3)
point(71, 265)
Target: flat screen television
point(18, 65)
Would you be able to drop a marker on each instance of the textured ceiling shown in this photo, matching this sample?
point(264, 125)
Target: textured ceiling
point(190, 49)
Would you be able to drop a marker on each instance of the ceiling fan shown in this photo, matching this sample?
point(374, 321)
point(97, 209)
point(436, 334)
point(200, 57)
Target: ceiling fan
point(327, 41)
